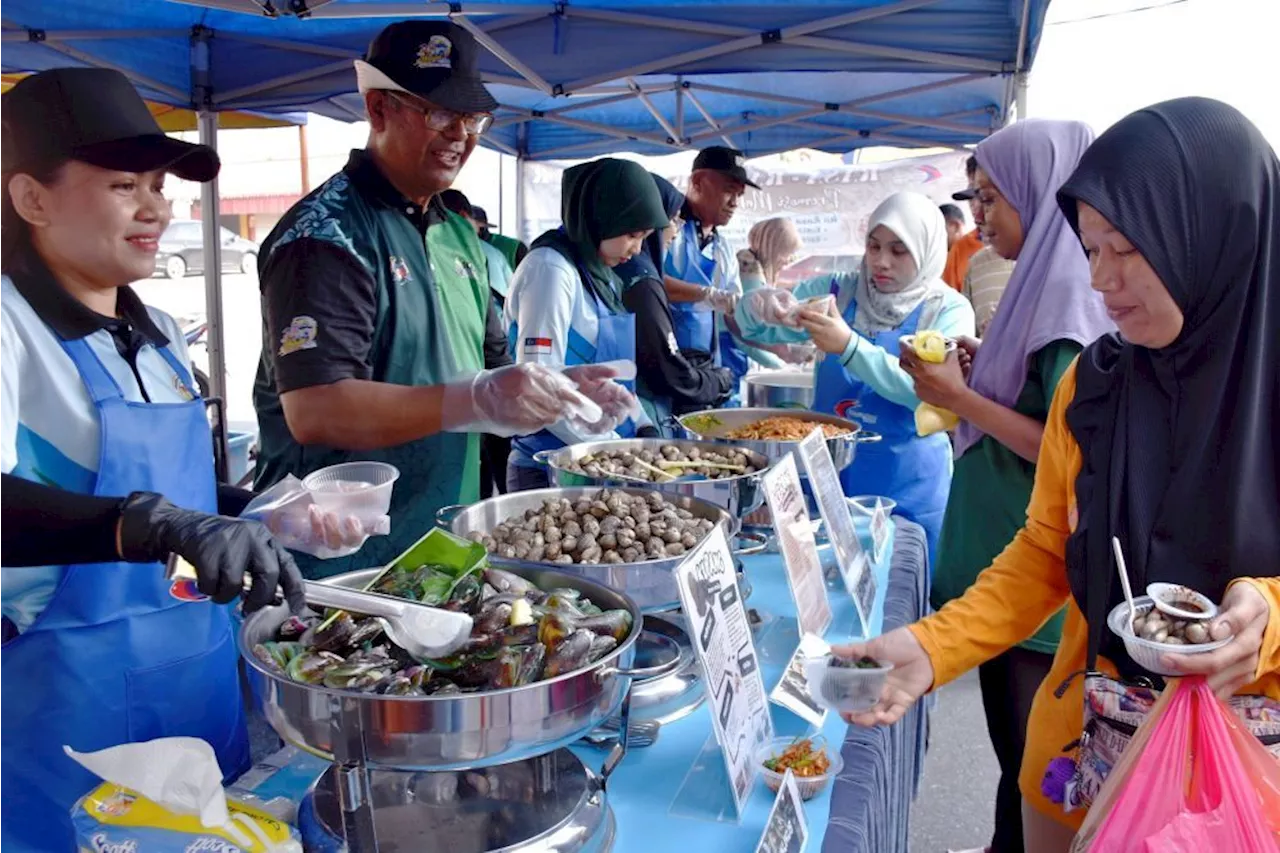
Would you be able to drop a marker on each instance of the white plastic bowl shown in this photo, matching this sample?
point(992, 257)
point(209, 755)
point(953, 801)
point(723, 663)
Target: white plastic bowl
point(1147, 653)
point(809, 785)
point(362, 489)
point(846, 690)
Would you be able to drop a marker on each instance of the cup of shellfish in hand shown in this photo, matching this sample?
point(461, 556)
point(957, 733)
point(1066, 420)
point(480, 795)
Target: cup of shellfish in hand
point(1171, 619)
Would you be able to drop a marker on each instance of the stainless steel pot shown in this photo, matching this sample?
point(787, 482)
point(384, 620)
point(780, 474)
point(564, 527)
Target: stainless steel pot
point(780, 389)
point(843, 447)
point(739, 495)
point(447, 732)
point(650, 584)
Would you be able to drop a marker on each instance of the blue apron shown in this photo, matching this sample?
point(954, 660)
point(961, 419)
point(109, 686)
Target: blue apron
point(615, 341)
point(914, 471)
point(120, 654)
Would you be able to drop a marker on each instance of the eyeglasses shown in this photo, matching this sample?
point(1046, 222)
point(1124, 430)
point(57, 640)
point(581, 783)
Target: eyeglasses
point(440, 119)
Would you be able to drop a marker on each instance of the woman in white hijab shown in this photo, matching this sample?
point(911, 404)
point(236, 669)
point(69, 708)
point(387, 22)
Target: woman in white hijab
point(857, 319)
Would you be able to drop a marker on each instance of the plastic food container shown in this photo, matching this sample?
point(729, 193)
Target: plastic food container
point(1147, 653)
point(844, 689)
point(809, 786)
point(362, 489)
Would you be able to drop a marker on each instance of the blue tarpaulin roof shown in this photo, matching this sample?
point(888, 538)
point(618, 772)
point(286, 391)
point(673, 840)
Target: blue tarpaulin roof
point(584, 77)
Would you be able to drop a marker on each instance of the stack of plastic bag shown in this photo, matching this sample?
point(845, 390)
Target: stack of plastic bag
point(1191, 780)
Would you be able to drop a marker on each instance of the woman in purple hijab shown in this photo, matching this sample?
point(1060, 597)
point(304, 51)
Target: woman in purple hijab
point(1047, 315)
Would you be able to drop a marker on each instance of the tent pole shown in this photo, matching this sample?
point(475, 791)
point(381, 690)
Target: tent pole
point(1020, 94)
point(520, 198)
point(212, 265)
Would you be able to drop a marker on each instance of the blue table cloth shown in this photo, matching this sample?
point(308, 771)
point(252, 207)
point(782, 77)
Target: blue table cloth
point(867, 808)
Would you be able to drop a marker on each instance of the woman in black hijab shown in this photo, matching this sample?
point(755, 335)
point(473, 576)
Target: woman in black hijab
point(1166, 436)
point(669, 381)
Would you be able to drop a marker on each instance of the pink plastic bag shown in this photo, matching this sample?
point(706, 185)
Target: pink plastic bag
point(1199, 784)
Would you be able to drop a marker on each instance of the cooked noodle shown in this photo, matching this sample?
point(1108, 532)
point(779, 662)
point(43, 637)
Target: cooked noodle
point(784, 429)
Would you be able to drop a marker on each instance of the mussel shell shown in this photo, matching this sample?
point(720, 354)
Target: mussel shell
point(519, 635)
point(569, 655)
point(441, 687)
point(601, 646)
point(553, 628)
point(278, 655)
point(465, 597)
point(520, 665)
point(335, 636)
point(295, 626)
point(559, 604)
point(611, 623)
point(365, 631)
point(492, 618)
point(507, 582)
point(361, 675)
point(310, 667)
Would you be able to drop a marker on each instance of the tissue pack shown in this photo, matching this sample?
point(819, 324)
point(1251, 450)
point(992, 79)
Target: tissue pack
point(115, 819)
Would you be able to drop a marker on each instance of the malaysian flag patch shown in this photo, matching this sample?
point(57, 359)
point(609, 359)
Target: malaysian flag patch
point(537, 346)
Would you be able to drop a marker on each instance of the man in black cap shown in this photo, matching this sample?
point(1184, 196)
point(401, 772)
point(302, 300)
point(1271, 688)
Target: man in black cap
point(376, 308)
point(703, 283)
point(961, 248)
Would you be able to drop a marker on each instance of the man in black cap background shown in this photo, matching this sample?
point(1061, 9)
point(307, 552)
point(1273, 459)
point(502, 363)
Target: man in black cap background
point(987, 274)
point(702, 282)
point(376, 305)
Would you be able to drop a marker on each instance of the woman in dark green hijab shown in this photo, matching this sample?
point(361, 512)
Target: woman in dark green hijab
point(565, 305)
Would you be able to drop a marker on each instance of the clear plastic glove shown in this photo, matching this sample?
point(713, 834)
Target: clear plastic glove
point(220, 549)
point(773, 306)
point(797, 353)
point(297, 522)
point(827, 329)
point(595, 381)
point(516, 400)
point(723, 301)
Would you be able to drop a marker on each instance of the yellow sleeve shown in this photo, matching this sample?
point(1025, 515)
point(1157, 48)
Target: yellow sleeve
point(1027, 583)
point(1269, 656)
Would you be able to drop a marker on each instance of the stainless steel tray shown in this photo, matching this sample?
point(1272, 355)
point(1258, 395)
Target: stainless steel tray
point(446, 732)
point(738, 495)
point(650, 584)
point(843, 448)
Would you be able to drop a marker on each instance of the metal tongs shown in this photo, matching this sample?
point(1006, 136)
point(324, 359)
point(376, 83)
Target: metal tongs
point(421, 630)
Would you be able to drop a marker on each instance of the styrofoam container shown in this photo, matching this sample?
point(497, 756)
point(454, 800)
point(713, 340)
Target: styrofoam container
point(809, 785)
point(361, 489)
point(1147, 653)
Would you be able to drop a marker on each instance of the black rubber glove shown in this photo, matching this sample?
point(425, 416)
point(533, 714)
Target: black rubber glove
point(221, 550)
point(648, 432)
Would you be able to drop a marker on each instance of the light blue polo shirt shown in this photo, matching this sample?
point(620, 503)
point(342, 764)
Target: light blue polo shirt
point(48, 425)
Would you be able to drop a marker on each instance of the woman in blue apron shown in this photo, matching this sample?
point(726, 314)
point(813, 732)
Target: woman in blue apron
point(565, 306)
point(897, 292)
point(98, 400)
point(670, 380)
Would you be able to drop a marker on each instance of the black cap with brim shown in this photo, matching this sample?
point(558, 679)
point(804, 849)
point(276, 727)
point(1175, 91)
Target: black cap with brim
point(435, 60)
point(151, 153)
point(727, 161)
point(965, 195)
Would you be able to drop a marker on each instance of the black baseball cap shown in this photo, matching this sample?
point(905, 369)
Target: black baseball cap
point(726, 161)
point(479, 215)
point(970, 167)
point(96, 116)
point(965, 194)
point(435, 60)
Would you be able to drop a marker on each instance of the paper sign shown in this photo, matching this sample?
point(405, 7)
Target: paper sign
point(792, 692)
point(721, 638)
point(879, 531)
point(799, 550)
point(786, 830)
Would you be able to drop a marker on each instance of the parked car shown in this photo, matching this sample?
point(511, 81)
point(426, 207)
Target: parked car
point(182, 250)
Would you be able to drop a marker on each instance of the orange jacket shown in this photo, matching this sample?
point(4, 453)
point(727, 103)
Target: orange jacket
point(958, 259)
point(1026, 585)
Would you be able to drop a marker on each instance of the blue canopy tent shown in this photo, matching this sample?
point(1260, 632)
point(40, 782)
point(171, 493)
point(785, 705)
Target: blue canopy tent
point(577, 78)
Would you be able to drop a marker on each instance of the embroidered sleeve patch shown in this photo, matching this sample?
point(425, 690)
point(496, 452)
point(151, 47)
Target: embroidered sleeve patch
point(300, 335)
point(537, 346)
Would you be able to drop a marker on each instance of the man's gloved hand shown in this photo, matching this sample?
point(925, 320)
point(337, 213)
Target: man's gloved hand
point(773, 306)
point(723, 301)
point(516, 400)
point(221, 550)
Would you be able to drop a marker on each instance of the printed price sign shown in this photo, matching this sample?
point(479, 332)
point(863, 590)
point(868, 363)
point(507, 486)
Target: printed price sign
point(786, 830)
point(792, 692)
point(799, 550)
point(825, 482)
point(721, 638)
point(879, 531)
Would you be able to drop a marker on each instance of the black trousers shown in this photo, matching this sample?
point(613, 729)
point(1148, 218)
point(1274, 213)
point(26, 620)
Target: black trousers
point(1009, 683)
point(494, 451)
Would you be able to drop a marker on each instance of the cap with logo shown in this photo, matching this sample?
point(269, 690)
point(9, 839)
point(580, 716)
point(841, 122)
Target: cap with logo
point(434, 60)
point(96, 116)
point(725, 160)
point(965, 194)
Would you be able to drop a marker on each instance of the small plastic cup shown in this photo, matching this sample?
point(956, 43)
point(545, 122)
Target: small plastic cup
point(845, 689)
point(809, 786)
point(360, 489)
